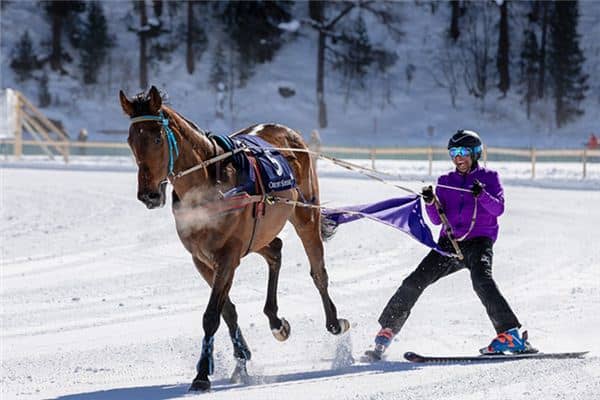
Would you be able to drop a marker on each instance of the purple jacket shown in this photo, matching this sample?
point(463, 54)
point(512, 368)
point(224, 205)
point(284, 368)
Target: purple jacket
point(459, 205)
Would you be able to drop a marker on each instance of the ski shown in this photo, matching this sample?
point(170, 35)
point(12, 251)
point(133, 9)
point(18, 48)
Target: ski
point(418, 358)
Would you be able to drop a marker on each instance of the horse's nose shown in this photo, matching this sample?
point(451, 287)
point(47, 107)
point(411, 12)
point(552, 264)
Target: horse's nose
point(150, 199)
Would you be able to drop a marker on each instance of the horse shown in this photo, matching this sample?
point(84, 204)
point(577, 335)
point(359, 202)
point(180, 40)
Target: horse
point(218, 232)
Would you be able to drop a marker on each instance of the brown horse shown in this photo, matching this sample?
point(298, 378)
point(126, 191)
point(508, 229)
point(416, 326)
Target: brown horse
point(164, 144)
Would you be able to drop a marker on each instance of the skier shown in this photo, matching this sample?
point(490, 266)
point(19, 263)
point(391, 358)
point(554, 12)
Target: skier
point(472, 214)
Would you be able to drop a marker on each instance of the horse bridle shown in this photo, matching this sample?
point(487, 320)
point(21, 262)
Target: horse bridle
point(171, 140)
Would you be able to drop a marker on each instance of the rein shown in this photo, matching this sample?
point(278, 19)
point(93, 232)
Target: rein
point(270, 199)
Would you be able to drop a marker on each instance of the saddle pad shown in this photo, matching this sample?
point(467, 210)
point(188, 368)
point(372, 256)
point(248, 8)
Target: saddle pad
point(275, 171)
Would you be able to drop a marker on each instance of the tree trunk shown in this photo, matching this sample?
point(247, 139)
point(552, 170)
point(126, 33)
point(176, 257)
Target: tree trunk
point(189, 57)
point(542, 75)
point(143, 45)
point(454, 30)
point(316, 11)
point(56, 56)
point(321, 81)
point(502, 60)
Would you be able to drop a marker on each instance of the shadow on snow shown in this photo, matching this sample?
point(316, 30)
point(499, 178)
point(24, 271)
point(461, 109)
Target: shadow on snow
point(163, 392)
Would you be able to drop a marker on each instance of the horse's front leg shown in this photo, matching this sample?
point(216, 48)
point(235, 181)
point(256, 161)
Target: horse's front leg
point(223, 279)
point(307, 225)
point(241, 351)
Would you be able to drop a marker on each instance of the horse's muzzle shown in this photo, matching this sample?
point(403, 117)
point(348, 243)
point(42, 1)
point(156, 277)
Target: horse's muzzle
point(153, 199)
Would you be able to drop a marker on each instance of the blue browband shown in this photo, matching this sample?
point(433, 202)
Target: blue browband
point(168, 132)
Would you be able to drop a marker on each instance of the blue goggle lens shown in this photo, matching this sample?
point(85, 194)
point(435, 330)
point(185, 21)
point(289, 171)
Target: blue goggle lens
point(459, 151)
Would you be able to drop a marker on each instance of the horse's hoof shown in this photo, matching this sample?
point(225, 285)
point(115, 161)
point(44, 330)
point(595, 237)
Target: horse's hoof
point(342, 327)
point(200, 385)
point(283, 332)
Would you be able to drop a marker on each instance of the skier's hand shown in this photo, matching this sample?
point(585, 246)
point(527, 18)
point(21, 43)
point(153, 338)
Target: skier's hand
point(477, 188)
point(427, 194)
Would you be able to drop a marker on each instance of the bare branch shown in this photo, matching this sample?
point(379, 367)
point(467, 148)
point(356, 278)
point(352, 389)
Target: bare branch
point(345, 11)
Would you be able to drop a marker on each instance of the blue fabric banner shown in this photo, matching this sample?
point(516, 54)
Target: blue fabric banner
point(403, 213)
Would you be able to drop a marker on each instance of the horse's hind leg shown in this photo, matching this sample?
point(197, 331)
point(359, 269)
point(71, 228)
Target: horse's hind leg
point(306, 221)
point(241, 351)
point(272, 254)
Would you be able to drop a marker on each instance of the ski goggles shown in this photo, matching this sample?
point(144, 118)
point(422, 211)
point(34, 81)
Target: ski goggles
point(463, 151)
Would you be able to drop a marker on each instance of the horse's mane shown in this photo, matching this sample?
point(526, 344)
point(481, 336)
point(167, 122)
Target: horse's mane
point(195, 136)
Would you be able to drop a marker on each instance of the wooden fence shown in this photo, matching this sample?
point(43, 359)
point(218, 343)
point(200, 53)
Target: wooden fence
point(66, 148)
point(47, 135)
point(531, 155)
point(54, 141)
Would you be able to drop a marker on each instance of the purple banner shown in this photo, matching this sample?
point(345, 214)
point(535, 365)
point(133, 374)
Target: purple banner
point(402, 213)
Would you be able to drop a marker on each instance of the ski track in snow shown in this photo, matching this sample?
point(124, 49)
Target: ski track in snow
point(101, 301)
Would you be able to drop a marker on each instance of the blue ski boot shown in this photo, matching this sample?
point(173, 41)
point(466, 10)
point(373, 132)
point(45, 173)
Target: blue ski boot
point(509, 342)
point(382, 342)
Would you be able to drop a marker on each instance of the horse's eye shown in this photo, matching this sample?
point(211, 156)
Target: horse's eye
point(158, 140)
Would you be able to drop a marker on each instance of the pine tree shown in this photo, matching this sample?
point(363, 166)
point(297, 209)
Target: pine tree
point(24, 61)
point(94, 42)
point(530, 66)
point(327, 16)
point(355, 53)
point(59, 12)
point(543, 8)
point(253, 28)
point(565, 62)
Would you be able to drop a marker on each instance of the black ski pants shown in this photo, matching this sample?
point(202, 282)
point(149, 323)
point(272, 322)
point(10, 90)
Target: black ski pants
point(478, 255)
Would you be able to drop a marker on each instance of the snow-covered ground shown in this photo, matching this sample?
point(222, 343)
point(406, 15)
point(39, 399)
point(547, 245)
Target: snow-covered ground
point(101, 301)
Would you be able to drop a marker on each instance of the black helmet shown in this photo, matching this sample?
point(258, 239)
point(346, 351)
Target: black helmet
point(465, 138)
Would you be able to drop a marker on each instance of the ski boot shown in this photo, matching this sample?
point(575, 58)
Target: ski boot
point(382, 342)
point(509, 342)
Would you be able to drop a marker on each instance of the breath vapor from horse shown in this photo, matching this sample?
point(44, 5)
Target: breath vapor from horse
point(218, 230)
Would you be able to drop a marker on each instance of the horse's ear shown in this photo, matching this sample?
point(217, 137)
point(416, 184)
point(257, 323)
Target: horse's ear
point(155, 100)
point(126, 105)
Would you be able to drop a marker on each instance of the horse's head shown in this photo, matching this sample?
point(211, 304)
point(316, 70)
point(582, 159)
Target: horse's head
point(149, 143)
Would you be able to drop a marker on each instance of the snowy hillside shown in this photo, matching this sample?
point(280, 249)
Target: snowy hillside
point(415, 105)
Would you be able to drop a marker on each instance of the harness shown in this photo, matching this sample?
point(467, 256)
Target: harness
point(241, 200)
point(232, 200)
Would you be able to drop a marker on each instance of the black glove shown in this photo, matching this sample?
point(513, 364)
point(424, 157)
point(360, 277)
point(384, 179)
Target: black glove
point(427, 194)
point(477, 188)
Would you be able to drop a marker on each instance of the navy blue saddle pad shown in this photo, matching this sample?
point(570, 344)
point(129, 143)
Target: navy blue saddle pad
point(275, 171)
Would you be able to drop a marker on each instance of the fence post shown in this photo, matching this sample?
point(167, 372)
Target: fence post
point(372, 155)
point(18, 128)
point(533, 163)
point(430, 158)
point(584, 163)
point(485, 156)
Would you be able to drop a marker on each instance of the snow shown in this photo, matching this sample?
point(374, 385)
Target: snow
point(101, 301)
point(291, 26)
